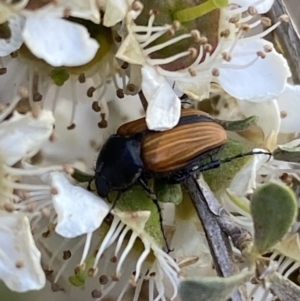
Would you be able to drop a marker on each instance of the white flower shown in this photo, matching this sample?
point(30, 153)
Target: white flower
point(235, 57)
point(59, 42)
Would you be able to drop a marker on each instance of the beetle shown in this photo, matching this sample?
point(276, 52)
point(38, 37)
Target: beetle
point(135, 153)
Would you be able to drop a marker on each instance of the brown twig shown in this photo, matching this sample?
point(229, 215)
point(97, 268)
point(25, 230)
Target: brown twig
point(287, 38)
point(218, 240)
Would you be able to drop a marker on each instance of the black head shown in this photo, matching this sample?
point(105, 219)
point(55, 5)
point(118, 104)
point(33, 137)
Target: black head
point(119, 164)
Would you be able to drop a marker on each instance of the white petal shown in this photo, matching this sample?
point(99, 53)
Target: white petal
point(18, 249)
point(267, 112)
point(78, 210)
point(116, 11)
point(16, 25)
point(23, 135)
point(261, 8)
point(289, 102)
point(59, 42)
point(164, 106)
point(262, 81)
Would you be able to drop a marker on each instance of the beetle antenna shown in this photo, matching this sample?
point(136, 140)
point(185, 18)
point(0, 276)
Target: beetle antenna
point(217, 163)
point(246, 154)
point(116, 199)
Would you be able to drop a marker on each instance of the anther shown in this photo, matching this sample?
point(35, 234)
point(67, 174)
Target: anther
point(192, 72)
point(114, 259)
point(19, 264)
point(234, 20)
point(196, 35)
point(103, 279)
point(48, 272)
point(268, 48)
point(103, 123)
point(125, 65)
point(37, 96)
point(252, 11)
point(14, 54)
point(81, 78)
point(55, 287)
point(283, 114)
point(245, 27)
point(115, 277)
point(261, 54)
point(93, 272)
point(203, 40)
point(96, 294)
point(225, 33)
point(69, 169)
point(215, 72)
point(67, 12)
point(3, 71)
point(67, 255)
point(176, 25)
point(131, 87)
point(46, 212)
point(154, 12)
point(46, 234)
point(96, 107)
point(194, 52)
point(137, 6)
point(31, 207)
point(80, 268)
point(266, 22)
point(54, 190)
point(90, 91)
point(226, 56)
point(71, 126)
point(120, 93)
point(9, 207)
point(22, 91)
point(284, 18)
point(118, 38)
point(208, 47)
point(52, 137)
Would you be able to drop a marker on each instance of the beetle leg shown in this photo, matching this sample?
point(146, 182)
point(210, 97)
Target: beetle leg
point(155, 201)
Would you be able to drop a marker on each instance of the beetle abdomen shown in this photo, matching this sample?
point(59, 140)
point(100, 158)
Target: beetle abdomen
point(171, 150)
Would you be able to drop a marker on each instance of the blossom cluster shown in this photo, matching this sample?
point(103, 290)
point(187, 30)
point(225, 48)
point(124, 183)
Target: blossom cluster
point(71, 73)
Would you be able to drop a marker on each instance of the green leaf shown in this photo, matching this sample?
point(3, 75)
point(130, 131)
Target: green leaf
point(211, 288)
point(81, 176)
point(167, 193)
point(137, 199)
point(5, 31)
point(238, 125)
point(274, 210)
point(288, 154)
point(220, 178)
